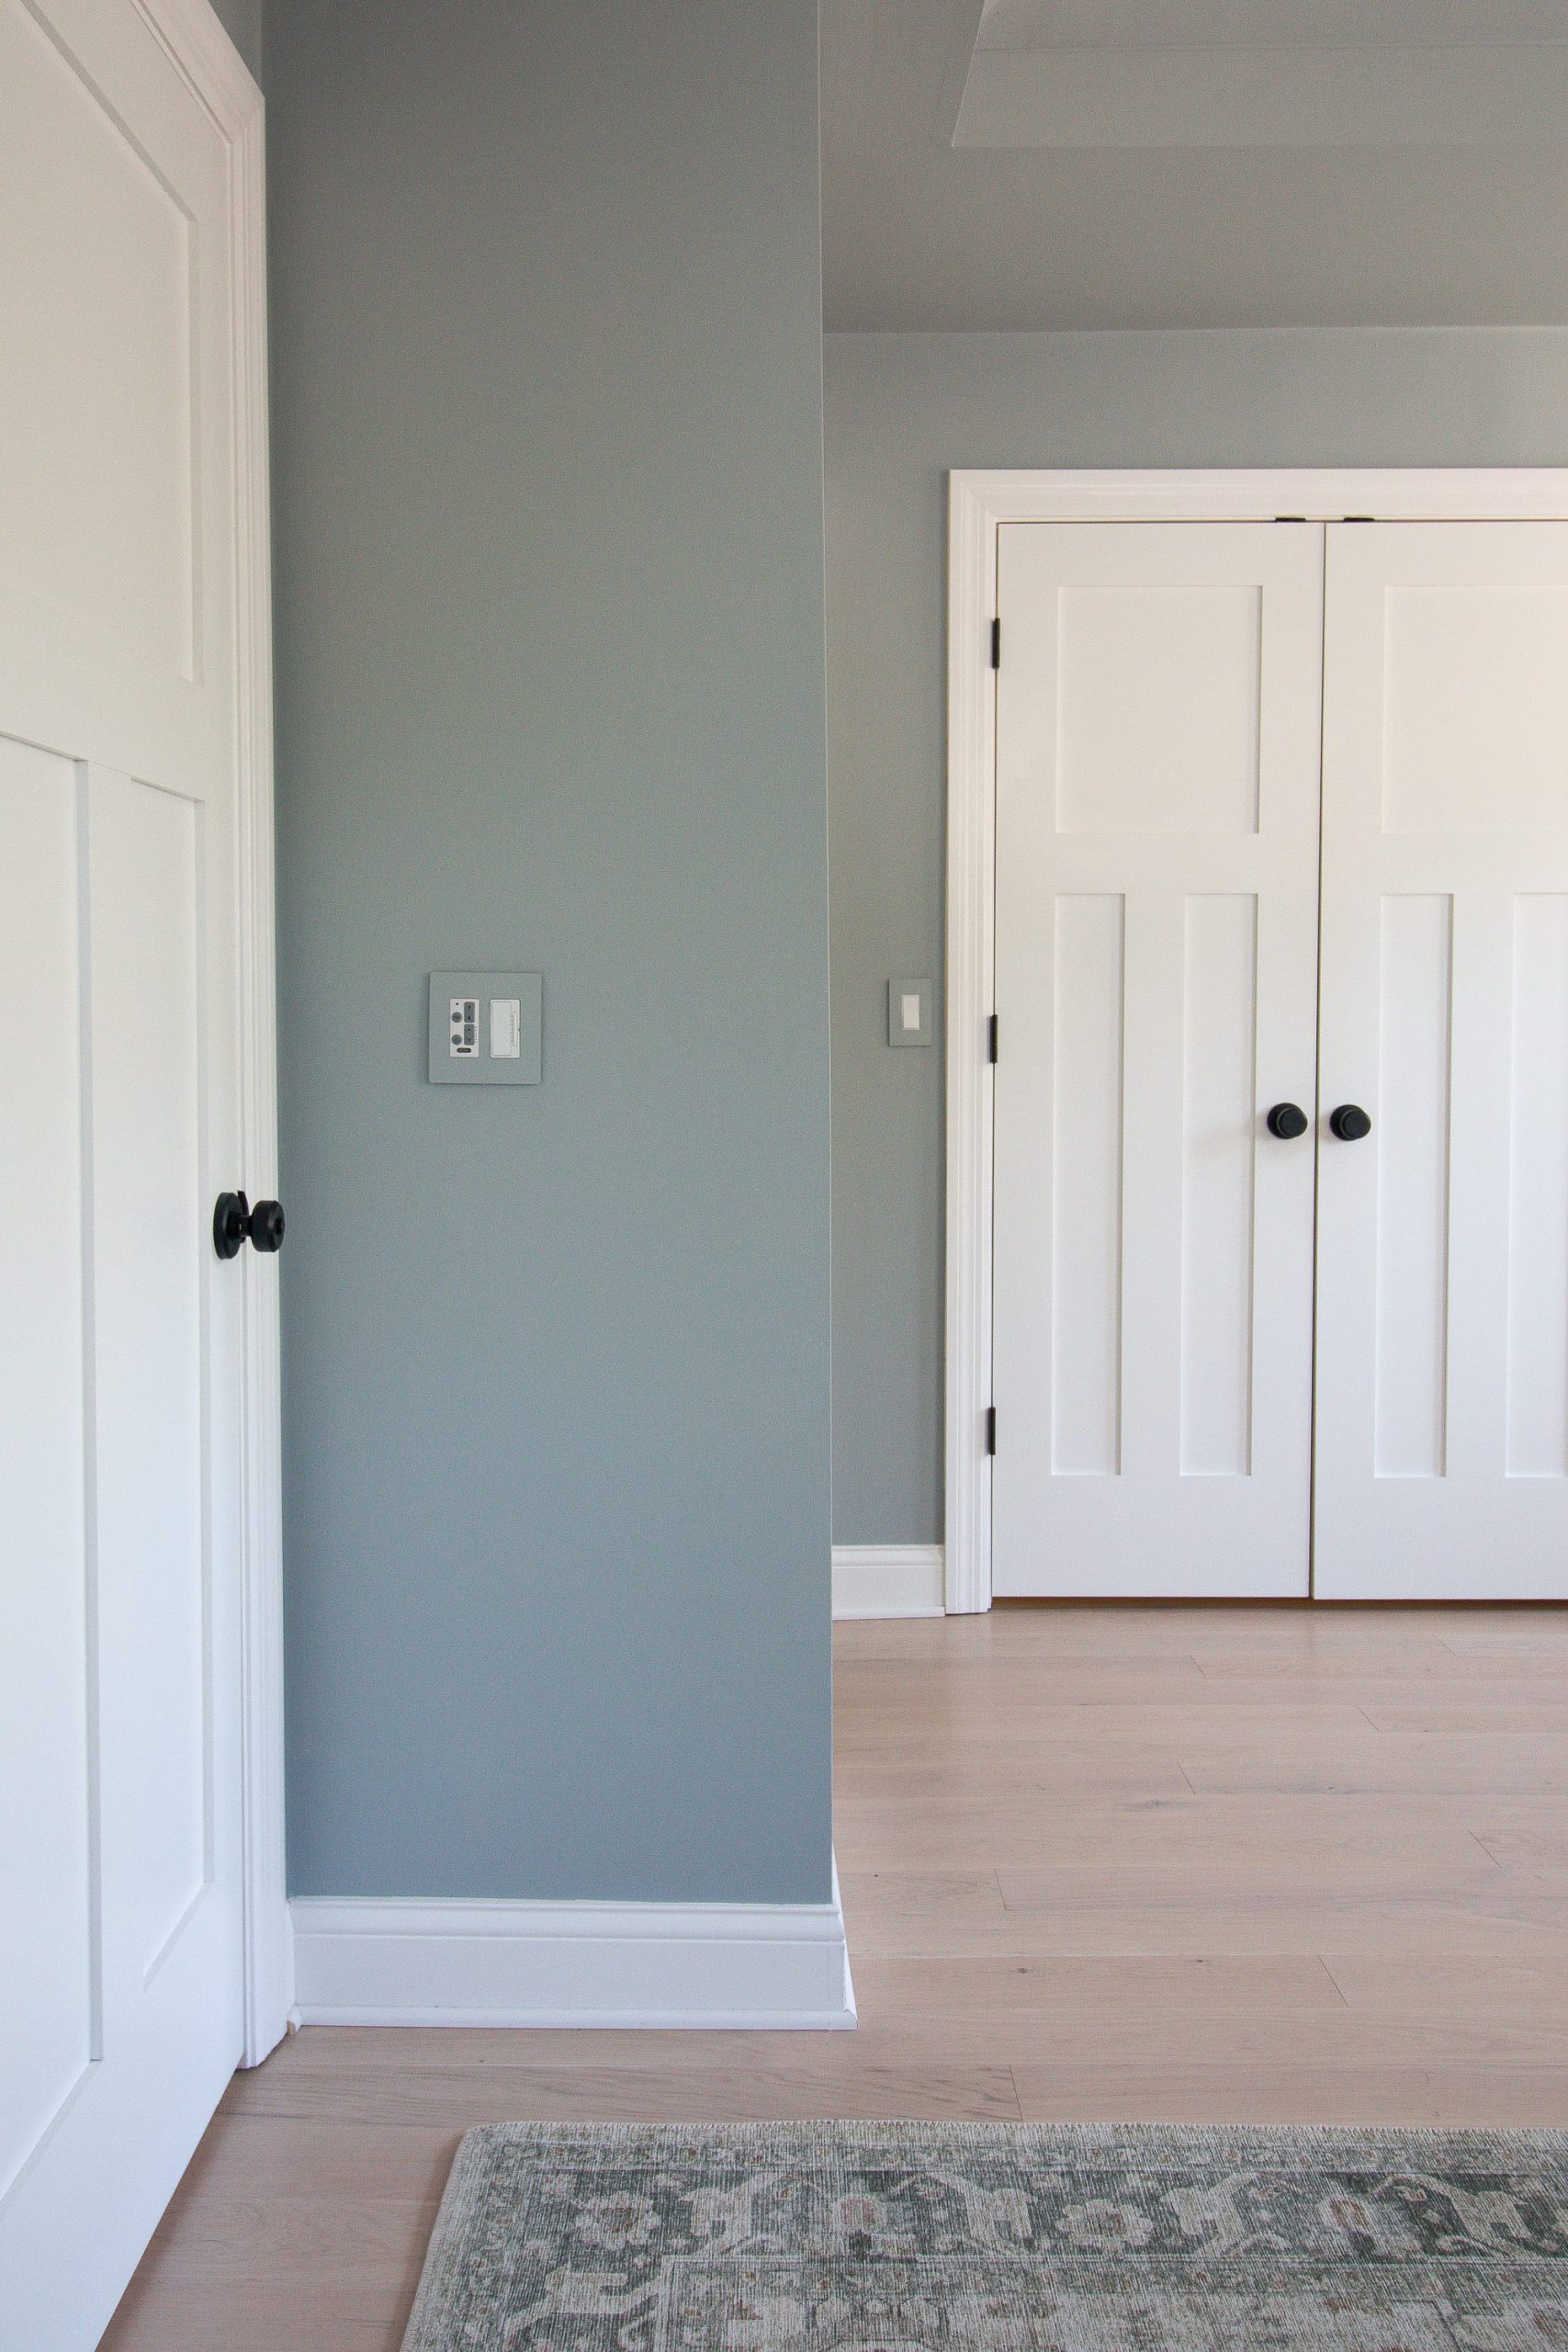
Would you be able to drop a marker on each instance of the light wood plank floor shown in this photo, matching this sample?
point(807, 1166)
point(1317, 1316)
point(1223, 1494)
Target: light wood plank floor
point(1225, 1864)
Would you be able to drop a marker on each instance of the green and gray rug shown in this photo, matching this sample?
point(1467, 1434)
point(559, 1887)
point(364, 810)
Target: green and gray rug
point(889, 2237)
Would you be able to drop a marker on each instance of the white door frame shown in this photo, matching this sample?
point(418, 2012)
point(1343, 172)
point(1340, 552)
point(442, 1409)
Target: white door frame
point(202, 53)
point(979, 503)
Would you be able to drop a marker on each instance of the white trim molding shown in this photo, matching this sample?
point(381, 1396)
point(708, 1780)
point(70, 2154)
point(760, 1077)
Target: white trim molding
point(979, 503)
point(202, 53)
point(970, 1001)
point(767, 1967)
point(888, 1580)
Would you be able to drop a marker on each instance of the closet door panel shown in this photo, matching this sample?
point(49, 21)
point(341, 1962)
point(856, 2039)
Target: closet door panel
point(1158, 712)
point(1442, 1312)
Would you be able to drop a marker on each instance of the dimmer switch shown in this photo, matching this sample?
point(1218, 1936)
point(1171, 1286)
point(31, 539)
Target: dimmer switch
point(485, 1028)
point(505, 1028)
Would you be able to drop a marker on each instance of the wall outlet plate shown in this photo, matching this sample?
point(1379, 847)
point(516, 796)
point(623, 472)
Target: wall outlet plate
point(487, 1028)
point(909, 1013)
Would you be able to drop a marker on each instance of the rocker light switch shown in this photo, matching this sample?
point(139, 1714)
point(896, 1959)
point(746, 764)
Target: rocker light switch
point(485, 1028)
point(908, 1013)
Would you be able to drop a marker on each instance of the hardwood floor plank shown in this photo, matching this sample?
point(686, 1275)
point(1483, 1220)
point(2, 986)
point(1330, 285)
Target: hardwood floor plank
point(1464, 1764)
point(1511, 1633)
point(1107, 1985)
point(1526, 1854)
point(324, 2051)
point(240, 2242)
point(970, 1897)
point(965, 1699)
point(456, 2099)
point(160, 2314)
point(1500, 1710)
point(1031, 1736)
point(1448, 2097)
point(1223, 1840)
point(1086, 1768)
point(1273, 1924)
point(937, 1689)
point(1068, 2092)
point(245, 2156)
point(1081, 1756)
point(1507, 1987)
point(1428, 1663)
point(1341, 2038)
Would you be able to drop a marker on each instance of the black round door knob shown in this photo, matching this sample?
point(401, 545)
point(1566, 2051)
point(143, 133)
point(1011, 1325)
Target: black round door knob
point(231, 1223)
point(1349, 1123)
point(1288, 1120)
point(266, 1226)
point(234, 1223)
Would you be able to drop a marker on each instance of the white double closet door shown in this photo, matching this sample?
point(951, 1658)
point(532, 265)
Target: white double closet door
point(1282, 820)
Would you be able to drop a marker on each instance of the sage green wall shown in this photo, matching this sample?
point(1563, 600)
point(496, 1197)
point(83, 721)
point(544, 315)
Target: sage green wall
point(902, 409)
point(242, 21)
point(548, 508)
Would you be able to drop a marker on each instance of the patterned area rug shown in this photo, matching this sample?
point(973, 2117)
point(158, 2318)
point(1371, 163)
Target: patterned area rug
point(886, 2237)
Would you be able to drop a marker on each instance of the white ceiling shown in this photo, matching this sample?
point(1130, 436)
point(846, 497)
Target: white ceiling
point(1205, 162)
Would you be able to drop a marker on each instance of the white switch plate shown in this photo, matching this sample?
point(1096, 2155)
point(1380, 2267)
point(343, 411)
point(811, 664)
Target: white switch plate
point(486, 1029)
point(909, 1013)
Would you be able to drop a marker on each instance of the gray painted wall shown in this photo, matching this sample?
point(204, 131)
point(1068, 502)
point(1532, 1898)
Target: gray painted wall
point(901, 411)
point(242, 21)
point(547, 464)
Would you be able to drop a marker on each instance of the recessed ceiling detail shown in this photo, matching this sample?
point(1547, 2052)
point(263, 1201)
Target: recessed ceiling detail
point(1266, 24)
point(923, 235)
point(1217, 73)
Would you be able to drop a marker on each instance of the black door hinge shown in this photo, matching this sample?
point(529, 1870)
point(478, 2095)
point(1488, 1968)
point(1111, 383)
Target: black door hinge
point(991, 1037)
point(991, 1428)
point(996, 644)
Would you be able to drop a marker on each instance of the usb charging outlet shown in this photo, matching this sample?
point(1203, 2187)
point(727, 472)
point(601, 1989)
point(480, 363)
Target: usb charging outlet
point(463, 1034)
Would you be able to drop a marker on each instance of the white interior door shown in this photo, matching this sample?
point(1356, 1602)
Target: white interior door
point(1442, 1389)
point(121, 1951)
point(1157, 758)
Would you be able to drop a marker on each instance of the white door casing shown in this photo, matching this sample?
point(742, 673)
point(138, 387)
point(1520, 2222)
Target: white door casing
point(143, 1946)
point(1157, 744)
point(1442, 1414)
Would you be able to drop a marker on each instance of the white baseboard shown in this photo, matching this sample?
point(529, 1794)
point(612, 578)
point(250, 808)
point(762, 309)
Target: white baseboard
point(727, 1966)
point(888, 1580)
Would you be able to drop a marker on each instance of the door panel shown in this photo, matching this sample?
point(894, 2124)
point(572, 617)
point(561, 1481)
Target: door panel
point(1415, 982)
point(49, 1957)
point(99, 314)
point(1157, 713)
point(1086, 1188)
point(149, 1184)
point(1219, 1049)
point(1536, 1436)
point(120, 1334)
point(1442, 1416)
